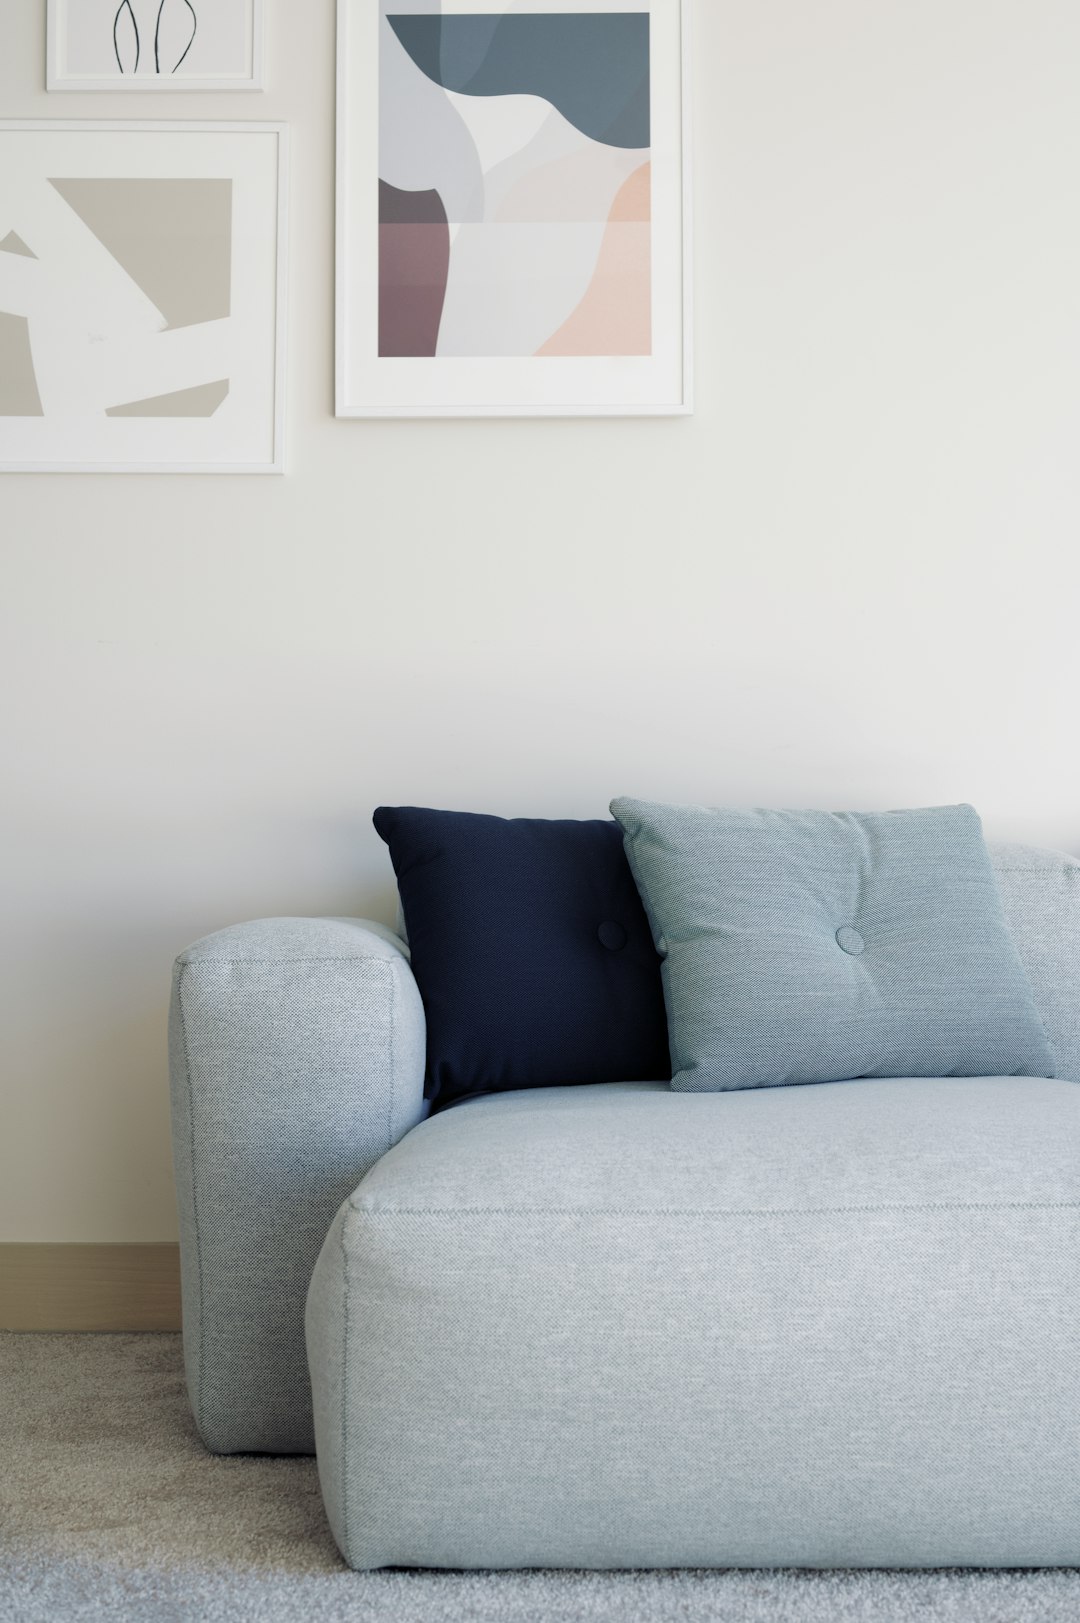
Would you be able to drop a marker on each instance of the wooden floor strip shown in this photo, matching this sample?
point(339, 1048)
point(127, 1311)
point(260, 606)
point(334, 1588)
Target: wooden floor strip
point(89, 1287)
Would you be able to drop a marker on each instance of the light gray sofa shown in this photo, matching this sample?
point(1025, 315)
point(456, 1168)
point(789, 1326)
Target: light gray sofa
point(614, 1326)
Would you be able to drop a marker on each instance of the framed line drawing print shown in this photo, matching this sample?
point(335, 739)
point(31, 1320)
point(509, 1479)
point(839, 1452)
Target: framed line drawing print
point(513, 208)
point(142, 296)
point(143, 45)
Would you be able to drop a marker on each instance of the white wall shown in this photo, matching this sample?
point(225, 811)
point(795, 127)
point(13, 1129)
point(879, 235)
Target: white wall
point(849, 580)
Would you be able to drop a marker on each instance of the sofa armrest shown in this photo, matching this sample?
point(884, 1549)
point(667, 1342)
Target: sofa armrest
point(296, 1052)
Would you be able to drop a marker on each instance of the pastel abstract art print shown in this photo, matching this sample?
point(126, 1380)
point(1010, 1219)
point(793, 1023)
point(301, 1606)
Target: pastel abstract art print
point(141, 299)
point(512, 207)
point(154, 45)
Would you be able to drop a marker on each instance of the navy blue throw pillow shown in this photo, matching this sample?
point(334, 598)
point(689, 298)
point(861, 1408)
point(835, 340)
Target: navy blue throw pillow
point(531, 950)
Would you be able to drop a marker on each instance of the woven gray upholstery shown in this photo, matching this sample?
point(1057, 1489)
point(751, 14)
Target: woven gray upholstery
point(297, 1060)
point(824, 1325)
point(813, 946)
point(1041, 893)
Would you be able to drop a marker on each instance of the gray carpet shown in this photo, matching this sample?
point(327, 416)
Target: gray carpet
point(111, 1509)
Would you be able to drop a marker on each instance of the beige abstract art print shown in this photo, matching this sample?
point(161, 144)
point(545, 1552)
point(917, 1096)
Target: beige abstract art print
point(141, 296)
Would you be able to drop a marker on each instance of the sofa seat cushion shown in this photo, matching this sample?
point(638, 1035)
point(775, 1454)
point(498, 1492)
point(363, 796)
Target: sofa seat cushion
point(633, 1146)
point(615, 1326)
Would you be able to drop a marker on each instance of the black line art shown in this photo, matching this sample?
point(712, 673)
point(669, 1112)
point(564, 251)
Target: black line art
point(125, 5)
point(157, 35)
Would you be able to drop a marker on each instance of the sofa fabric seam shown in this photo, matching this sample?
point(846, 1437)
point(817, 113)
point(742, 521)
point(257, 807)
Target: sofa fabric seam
point(210, 961)
point(1069, 870)
point(716, 1211)
point(345, 1531)
point(391, 1044)
point(200, 1406)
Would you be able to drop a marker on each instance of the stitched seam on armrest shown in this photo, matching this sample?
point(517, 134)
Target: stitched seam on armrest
point(1069, 872)
point(717, 1211)
point(200, 1404)
point(345, 1396)
point(393, 1065)
point(283, 958)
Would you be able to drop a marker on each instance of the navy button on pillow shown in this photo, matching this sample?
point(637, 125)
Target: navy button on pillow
point(531, 950)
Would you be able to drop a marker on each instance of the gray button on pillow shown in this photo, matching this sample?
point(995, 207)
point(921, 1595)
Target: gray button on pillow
point(807, 946)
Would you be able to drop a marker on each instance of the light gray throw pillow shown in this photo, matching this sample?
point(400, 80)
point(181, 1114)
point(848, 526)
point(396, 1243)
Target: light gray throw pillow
point(808, 946)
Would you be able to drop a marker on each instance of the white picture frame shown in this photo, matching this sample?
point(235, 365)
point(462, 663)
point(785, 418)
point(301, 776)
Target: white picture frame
point(372, 383)
point(125, 348)
point(125, 46)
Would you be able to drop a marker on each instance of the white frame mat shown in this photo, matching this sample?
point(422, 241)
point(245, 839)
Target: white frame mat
point(562, 377)
point(142, 296)
point(173, 24)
